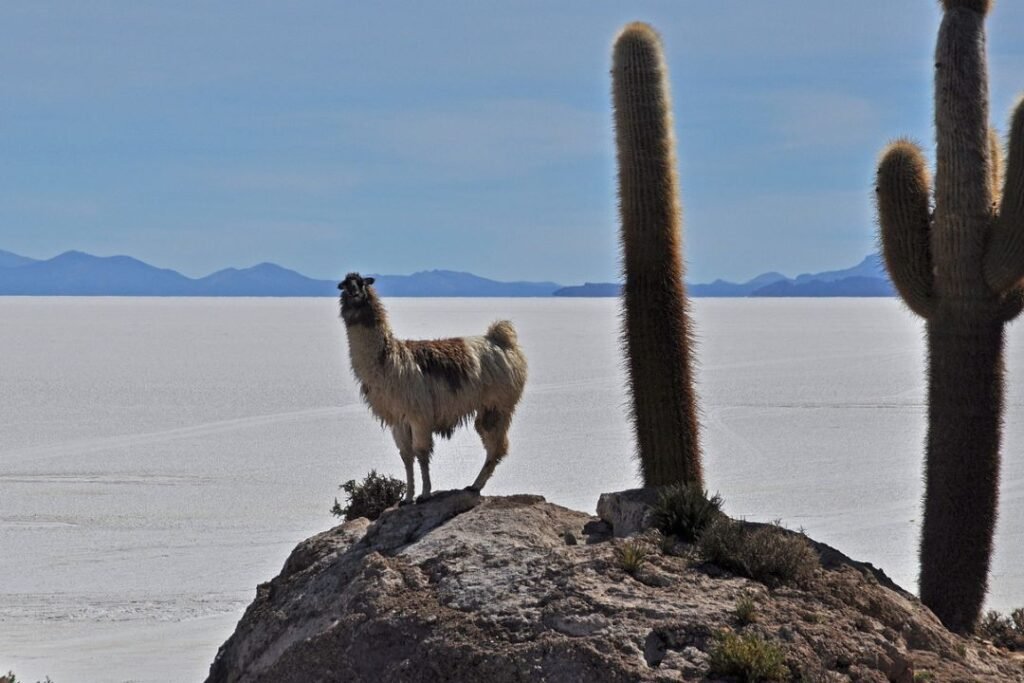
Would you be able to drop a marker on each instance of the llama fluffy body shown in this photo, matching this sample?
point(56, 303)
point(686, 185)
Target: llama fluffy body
point(422, 388)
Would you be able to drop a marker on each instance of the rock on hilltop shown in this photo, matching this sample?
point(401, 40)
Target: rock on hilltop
point(465, 588)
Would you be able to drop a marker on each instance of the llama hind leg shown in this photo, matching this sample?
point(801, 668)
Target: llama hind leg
point(402, 433)
point(492, 426)
point(423, 446)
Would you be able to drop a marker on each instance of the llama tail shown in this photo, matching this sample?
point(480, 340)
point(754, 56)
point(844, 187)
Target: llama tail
point(502, 334)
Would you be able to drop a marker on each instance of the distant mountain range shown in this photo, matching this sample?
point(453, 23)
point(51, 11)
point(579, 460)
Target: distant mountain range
point(452, 283)
point(74, 273)
point(867, 278)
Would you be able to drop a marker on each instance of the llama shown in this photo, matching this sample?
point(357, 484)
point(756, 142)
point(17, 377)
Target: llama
point(422, 388)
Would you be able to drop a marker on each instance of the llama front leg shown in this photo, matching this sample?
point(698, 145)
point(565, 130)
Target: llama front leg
point(402, 434)
point(423, 446)
point(492, 426)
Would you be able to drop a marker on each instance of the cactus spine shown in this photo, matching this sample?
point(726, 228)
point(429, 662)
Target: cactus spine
point(656, 329)
point(960, 268)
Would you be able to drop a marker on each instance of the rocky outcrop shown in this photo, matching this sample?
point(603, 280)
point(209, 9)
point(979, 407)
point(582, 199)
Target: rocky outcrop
point(464, 588)
point(627, 512)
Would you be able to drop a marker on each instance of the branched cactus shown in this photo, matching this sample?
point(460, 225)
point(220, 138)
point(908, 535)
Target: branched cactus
point(656, 329)
point(959, 267)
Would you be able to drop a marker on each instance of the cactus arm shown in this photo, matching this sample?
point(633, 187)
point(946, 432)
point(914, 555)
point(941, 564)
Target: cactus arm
point(980, 6)
point(995, 168)
point(963, 197)
point(902, 193)
point(1011, 305)
point(1004, 259)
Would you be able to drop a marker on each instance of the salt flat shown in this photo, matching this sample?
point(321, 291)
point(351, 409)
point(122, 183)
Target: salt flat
point(160, 457)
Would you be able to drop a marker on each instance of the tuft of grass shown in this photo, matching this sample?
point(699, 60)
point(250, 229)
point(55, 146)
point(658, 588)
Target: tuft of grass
point(631, 555)
point(767, 554)
point(685, 510)
point(749, 657)
point(746, 610)
point(369, 498)
point(1004, 630)
point(923, 676)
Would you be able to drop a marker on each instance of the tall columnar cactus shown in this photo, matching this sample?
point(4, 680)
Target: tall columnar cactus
point(959, 267)
point(656, 330)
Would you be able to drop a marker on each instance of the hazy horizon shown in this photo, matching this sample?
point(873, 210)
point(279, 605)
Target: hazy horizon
point(616, 278)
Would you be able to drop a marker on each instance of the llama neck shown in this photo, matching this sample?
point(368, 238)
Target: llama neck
point(369, 344)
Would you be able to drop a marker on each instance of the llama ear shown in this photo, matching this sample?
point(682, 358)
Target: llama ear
point(368, 281)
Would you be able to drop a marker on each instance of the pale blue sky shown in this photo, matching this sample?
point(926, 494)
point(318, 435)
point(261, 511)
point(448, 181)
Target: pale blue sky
point(400, 136)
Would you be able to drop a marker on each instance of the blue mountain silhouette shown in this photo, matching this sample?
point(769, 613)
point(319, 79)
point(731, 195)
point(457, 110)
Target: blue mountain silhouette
point(867, 278)
point(75, 273)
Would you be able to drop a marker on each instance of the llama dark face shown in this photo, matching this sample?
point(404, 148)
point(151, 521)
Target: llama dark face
point(356, 304)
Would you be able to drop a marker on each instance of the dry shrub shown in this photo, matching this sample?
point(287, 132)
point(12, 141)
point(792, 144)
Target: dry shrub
point(769, 554)
point(369, 498)
point(1004, 631)
point(749, 657)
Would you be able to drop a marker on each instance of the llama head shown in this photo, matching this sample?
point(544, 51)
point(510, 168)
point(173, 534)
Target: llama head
point(357, 300)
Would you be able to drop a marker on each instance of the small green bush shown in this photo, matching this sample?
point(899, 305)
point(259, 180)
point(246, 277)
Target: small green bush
point(1004, 631)
point(9, 677)
point(746, 610)
point(749, 657)
point(685, 510)
point(631, 555)
point(767, 554)
point(370, 498)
